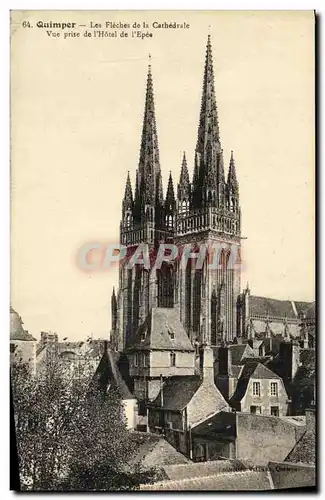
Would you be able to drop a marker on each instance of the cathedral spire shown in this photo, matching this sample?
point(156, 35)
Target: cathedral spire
point(149, 186)
point(128, 197)
point(232, 177)
point(208, 124)
point(184, 188)
point(127, 205)
point(206, 175)
point(170, 196)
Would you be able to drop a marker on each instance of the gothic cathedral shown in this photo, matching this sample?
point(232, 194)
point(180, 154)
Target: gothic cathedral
point(205, 211)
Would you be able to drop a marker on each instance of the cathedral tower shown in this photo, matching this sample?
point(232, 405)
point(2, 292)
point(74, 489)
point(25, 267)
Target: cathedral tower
point(208, 213)
point(204, 214)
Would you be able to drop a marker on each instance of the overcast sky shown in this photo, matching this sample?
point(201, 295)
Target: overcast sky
point(77, 109)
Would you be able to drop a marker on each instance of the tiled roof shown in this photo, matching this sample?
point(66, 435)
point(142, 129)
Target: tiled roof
point(252, 369)
point(161, 330)
point(248, 480)
point(178, 392)
point(108, 373)
point(263, 306)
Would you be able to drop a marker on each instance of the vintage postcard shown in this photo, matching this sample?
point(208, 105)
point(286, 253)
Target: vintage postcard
point(163, 317)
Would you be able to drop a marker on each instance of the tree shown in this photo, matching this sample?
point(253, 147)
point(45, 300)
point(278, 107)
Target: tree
point(70, 435)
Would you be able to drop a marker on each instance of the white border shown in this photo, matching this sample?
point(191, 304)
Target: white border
point(4, 170)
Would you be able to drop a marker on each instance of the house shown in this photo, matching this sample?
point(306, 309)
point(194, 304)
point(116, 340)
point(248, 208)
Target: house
point(297, 368)
point(260, 391)
point(108, 374)
point(248, 385)
point(160, 349)
point(184, 401)
point(22, 343)
point(244, 436)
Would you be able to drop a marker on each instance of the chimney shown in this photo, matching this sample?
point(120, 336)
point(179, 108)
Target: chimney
point(289, 354)
point(225, 361)
point(310, 419)
point(105, 347)
point(207, 364)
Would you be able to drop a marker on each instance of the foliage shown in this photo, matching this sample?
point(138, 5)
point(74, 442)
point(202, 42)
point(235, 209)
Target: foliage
point(70, 434)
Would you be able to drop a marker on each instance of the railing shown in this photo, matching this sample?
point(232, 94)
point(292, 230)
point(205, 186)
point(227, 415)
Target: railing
point(210, 218)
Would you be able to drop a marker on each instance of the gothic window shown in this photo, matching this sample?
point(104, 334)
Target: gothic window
point(184, 206)
point(165, 281)
point(128, 219)
point(188, 298)
point(214, 318)
point(197, 300)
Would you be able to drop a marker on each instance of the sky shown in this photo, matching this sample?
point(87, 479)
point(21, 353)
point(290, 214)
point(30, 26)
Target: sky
point(76, 117)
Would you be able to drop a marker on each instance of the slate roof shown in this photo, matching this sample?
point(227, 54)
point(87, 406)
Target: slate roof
point(161, 330)
point(304, 452)
point(240, 351)
point(16, 328)
point(178, 392)
point(223, 422)
point(108, 373)
point(248, 480)
point(307, 308)
point(252, 369)
point(277, 308)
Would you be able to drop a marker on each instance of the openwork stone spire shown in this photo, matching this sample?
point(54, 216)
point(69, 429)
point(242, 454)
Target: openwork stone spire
point(208, 147)
point(149, 186)
point(170, 196)
point(232, 177)
point(128, 197)
point(184, 188)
